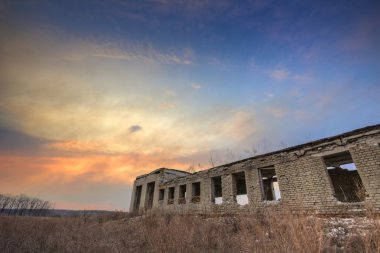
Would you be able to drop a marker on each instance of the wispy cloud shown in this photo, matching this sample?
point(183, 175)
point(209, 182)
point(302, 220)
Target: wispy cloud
point(279, 74)
point(146, 54)
point(241, 125)
point(221, 64)
point(252, 65)
point(196, 86)
point(167, 105)
point(276, 112)
point(302, 78)
point(170, 93)
point(363, 36)
point(76, 48)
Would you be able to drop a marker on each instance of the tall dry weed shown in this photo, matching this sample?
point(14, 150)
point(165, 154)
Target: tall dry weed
point(266, 231)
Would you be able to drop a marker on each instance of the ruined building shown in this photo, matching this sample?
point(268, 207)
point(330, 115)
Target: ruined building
point(339, 174)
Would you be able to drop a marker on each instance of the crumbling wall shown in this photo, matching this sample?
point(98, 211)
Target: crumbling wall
point(304, 182)
point(367, 159)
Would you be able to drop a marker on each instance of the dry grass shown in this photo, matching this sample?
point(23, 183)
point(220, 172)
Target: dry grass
point(261, 232)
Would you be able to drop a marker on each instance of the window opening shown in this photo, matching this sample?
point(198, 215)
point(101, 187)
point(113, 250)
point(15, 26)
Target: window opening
point(196, 192)
point(269, 184)
point(216, 184)
point(171, 195)
point(345, 179)
point(182, 194)
point(240, 189)
point(161, 194)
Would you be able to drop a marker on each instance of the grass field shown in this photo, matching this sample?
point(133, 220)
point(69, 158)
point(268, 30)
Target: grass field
point(259, 232)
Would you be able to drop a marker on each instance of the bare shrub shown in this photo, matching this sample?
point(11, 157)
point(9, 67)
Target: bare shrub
point(23, 205)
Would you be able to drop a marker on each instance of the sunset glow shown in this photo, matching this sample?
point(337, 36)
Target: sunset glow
point(95, 93)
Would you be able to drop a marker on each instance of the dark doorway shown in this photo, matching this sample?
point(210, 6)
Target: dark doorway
point(149, 195)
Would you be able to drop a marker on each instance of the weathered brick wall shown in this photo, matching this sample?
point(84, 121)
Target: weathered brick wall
point(302, 177)
point(304, 183)
point(367, 160)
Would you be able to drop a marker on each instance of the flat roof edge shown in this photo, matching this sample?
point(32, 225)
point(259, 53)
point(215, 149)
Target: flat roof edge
point(163, 169)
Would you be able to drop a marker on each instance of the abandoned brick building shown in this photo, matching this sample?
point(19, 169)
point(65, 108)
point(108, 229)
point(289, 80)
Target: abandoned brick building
point(339, 174)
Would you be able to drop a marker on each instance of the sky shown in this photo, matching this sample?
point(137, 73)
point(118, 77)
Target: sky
point(95, 93)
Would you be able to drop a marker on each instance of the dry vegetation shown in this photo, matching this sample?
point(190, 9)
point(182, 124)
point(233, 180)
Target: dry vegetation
point(257, 232)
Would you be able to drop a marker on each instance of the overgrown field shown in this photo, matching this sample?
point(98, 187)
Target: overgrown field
point(260, 232)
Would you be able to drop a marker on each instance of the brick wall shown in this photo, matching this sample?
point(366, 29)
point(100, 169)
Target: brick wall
point(303, 179)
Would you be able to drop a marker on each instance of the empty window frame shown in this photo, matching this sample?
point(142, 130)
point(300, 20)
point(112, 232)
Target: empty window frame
point(161, 194)
point(240, 188)
point(182, 194)
point(149, 195)
point(196, 192)
point(137, 199)
point(269, 184)
point(216, 190)
point(171, 195)
point(344, 177)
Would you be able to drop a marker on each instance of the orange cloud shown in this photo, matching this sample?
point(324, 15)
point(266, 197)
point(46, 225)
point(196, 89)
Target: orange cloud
point(77, 146)
point(105, 168)
point(69, 177)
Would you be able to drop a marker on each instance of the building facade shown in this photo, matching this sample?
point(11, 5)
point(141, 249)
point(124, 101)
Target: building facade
point(339, 174)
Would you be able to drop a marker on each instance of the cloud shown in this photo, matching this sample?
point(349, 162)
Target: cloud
point(72, 179)
point(363, 36)
point(276, 112)
point(3, 8)
point(196, 86)
point(141, 54)
point(135, 128)
point(252, 65)
point(167, 105)
point(301, 114)
point(222, 64)
point(240, 125)
point(16, 142)
point(279, 74)
point(170, 93)
point(76, 48)
point(302, 78)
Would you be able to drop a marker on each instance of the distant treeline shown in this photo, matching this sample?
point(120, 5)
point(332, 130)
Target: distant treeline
point(79, 213)
point(21, 205)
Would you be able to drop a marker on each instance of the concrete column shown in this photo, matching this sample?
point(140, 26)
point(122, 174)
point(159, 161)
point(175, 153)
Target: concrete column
point(166, 196)
point(189, 192)
point(227, 189)
point(143, 196)
point(253, 184)
point(156, 190)
point(176, 194)
point(206, 191)
point(234, 190)
point(132, 197)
